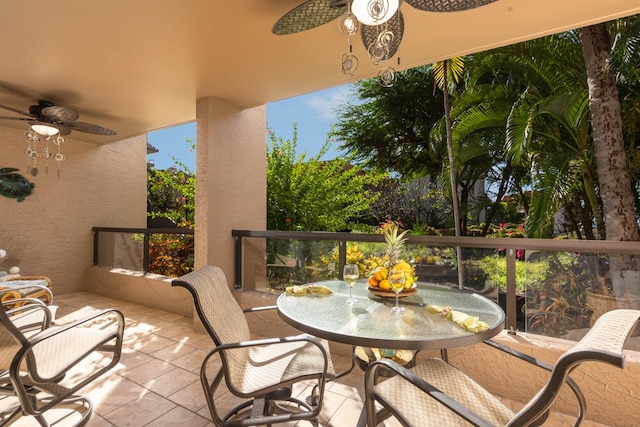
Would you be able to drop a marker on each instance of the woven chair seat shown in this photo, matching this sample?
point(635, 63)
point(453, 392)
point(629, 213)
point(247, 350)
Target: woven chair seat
point(278, 364)
point(422, 410)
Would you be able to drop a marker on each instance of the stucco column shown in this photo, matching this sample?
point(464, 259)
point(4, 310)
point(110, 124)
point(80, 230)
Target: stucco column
point(231, 179)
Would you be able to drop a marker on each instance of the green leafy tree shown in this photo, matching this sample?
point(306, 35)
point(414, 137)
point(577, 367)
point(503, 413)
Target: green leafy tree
point(388, 128)
point(311, 194)
point(171, 192)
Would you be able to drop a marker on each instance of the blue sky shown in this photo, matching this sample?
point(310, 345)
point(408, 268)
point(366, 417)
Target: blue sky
point(313, 114)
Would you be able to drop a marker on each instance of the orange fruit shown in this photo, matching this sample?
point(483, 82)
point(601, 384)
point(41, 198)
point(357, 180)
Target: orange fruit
point(380, 273)
point(384, 284)
point(372, 282)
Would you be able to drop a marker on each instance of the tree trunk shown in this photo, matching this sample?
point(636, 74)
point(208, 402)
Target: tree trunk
point(611, 162)
point(452, 175)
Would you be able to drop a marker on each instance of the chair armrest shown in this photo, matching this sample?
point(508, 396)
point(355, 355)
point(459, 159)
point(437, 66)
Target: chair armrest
point(256, 309)
point(424, 386)
point(26, 318)
point(582, 402)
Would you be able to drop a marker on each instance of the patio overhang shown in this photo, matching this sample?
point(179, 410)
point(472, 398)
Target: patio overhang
point(139, 66)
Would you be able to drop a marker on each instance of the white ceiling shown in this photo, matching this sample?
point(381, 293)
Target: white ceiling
point(137, 66)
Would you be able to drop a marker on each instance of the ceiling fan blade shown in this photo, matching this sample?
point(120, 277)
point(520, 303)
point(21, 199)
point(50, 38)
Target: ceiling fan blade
point(88, 128)
point(447, 5)
point(15, 118)
point(310, 14)
point(371, 34)
point(15, 110)
point(60, 114)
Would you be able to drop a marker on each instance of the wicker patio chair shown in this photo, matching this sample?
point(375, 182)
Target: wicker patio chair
point(435, 393)
point(43, 367)
point(261, 372)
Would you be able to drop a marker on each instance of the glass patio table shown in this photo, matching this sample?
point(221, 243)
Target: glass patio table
point(370, 322)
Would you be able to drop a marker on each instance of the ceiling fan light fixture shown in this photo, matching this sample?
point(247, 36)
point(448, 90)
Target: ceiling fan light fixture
point(374, 12)
point(44, 129)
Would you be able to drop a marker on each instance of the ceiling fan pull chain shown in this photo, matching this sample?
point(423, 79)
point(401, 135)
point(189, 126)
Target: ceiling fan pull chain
point(32, 152)
point(59, 157)
point(46, 153)
point(348, 26)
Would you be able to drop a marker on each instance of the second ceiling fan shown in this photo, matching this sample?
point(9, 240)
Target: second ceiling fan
point(380, 21)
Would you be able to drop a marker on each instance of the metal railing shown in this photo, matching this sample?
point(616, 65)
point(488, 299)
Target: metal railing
point(510, 246)
point(109, 250)
point(145, 232)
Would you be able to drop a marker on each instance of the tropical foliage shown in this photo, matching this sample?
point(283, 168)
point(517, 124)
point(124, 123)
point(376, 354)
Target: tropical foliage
point(314, 195)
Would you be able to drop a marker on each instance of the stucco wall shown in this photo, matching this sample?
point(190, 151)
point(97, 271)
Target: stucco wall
point(231, 183)
point(49, 233)
point(150, 290)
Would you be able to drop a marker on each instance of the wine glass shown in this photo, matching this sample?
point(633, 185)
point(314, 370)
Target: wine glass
point(350, 274)
point(397, 279)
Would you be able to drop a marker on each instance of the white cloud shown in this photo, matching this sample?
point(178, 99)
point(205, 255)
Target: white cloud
point(324, 103)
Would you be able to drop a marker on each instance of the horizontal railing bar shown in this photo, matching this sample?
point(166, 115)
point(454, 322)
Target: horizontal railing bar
point(145, 230)
point(566, 245)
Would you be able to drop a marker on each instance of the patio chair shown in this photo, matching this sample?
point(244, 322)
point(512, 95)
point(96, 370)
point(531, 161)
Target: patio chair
point(43, 367)
point(261, 372)
point(27, 287)
point(434, 393)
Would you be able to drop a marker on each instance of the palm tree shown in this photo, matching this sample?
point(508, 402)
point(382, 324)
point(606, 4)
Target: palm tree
point(611, 162)
point(446, 74)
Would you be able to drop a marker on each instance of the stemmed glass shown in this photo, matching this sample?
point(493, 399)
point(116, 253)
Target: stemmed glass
point(350, 274)
point(397, 279)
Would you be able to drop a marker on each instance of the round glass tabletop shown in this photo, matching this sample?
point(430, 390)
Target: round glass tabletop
point(369, 322)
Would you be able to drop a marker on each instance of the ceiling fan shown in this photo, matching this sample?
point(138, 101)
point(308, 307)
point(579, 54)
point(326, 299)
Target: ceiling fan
point(63, 119)
point(381, 43)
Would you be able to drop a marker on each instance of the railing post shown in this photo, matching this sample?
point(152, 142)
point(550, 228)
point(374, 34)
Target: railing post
point(145, 253)
point(96, 242)
point(342, 257)
point(511, 311)
point(237, 265)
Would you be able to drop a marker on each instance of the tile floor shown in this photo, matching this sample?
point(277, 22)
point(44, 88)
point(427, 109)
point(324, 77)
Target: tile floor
point(157, 381)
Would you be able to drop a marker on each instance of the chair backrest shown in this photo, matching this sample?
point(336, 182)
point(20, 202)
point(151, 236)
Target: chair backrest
point(218, 310)
point(603, 343)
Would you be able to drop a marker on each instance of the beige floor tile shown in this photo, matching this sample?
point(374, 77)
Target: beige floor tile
point(179, 417)
point(142, 411)
point(112, 392)
point(190, 397)
point(173, 351)
point(149, 343)
point(146, 372)
point(192, 361)
point(172, 382)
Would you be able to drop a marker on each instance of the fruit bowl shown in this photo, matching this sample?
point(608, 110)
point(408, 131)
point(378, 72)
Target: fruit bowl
point(390, 294)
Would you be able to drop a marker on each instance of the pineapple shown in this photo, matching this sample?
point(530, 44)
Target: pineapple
point(394, 241)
